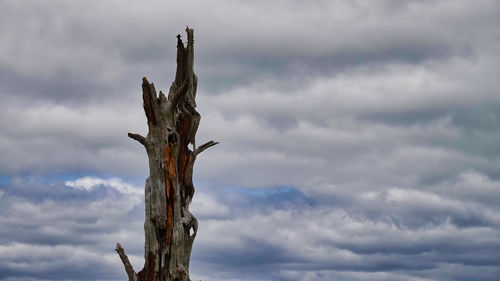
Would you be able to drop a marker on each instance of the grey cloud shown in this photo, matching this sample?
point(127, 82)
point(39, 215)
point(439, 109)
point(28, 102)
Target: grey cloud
point(55, 263)
point(374, 64)
point(265, 233)
point(358, 139)
point(338, 242)
point(114, 45)
point(50, 138)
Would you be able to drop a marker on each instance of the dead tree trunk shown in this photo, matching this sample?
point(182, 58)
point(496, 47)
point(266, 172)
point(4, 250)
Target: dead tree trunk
point(169, 227)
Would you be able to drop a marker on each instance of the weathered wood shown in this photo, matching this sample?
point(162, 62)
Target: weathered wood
point(138, 138)
point(204, 146)
point(132, 276)
point(169, 226)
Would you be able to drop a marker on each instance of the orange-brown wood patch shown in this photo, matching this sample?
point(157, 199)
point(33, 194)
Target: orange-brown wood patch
point(169, 191)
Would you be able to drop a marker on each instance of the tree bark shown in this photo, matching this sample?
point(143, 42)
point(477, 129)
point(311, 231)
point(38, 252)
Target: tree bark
point(169, 226)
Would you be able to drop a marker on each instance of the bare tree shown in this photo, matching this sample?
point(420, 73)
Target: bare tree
point(170, 228)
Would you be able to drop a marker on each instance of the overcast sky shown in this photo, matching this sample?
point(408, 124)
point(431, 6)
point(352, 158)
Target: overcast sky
point(359, 140)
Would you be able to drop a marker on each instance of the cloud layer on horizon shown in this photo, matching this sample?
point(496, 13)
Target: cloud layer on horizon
point(277, 233)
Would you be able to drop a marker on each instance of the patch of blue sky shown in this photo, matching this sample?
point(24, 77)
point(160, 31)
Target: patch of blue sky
point(4, 180)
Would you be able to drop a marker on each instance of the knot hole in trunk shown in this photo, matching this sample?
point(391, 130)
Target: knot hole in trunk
point(172, 137)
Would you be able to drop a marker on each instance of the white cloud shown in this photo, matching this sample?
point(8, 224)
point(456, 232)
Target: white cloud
point(88, 183)
point(207, 206)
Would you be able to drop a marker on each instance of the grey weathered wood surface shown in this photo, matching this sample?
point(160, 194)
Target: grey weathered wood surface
point(169, 226)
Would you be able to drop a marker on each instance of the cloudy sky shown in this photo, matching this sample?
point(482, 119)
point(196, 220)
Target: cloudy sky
point(359, 140)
